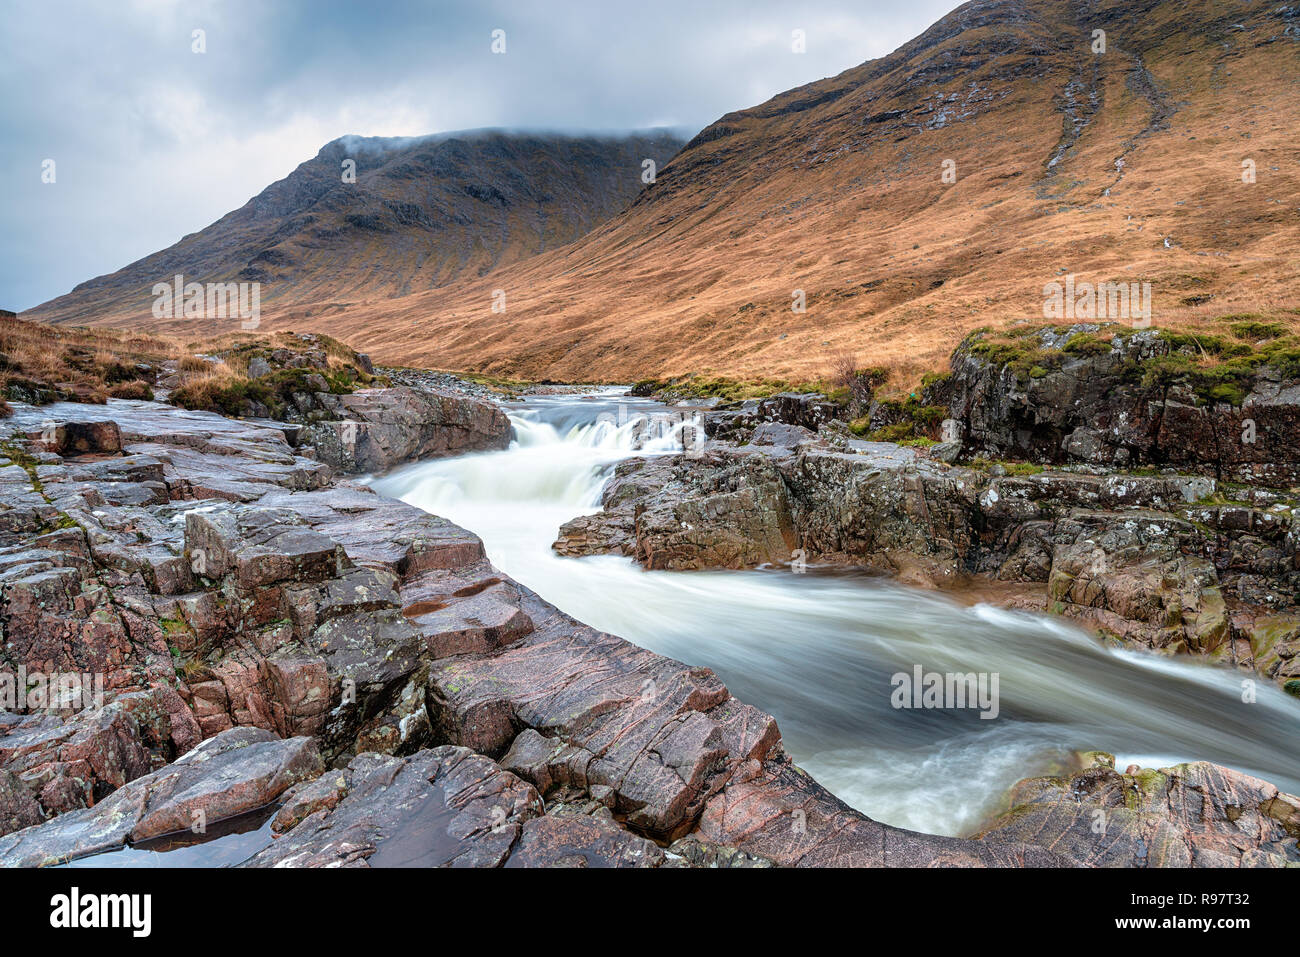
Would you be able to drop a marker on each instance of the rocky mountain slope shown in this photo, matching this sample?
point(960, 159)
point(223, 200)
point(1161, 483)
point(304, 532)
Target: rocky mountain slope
point(421, 213)
point(1122, 165)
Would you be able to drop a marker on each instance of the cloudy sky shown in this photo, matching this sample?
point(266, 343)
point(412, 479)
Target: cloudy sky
point(152, 140)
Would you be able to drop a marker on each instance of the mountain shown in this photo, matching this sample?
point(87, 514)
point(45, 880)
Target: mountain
point(1124, 165)
point(420, 213)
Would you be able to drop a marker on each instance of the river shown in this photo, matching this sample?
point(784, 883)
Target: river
point(818, 650)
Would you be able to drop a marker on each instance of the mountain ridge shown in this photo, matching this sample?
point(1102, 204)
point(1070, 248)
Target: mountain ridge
point(1123, 165)
point(421, 209)
point(1119, 166)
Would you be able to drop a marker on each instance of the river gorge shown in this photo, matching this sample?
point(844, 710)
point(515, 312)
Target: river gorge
point(818, 649)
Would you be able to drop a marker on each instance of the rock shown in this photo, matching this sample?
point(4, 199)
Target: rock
point(1128, 574)
point(777, 812)
point(237, 771)
point(808, 411)
point(71, 763)
point(449, 807)
point(227, 586)
point(658, 737)
point(445, 807)
point(727, 510)
point(605, 533)
point(1095, 406)
point(694, 852)
point(781, 435)
point(1191, 815)
point(1141, 558)
point(82, 437)
point(486, 617)
point(380, 532)
point(379, 428)
point(947, 452)
point(579, 840)
point(259, 546)
point(18, 805)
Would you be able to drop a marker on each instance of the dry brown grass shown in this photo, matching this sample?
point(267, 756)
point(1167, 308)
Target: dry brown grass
point(48, 363)
point(41, 363)
point(193, 364)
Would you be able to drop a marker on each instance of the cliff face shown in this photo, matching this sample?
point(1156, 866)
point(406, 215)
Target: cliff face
point(419, 214)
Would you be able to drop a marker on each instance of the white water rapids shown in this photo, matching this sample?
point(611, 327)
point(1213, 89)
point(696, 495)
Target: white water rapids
point(817, 650)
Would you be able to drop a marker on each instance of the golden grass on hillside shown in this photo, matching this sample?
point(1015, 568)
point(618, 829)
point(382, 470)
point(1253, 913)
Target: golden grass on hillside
point(218, 379)
point(842, 200)
point(44, 364)
point(41, 364)
point(831, 196)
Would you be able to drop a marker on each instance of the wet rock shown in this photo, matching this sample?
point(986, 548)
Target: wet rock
point(259, 546)
point(65, 764)
point(884, 505)
point(474, 618)
point(379, 428)
point(1140, 588)
point(445, 807)
point(655, 736)
point(1191, 815)
point(727, 510)
point(947, 452)
point(82, 437)
point(237, 771)
point(1145, 559)
point(449, 807)
point(803, 410)
point(781, 434)
point(582, 840)
point(605, 533)
point(777, 812)
point(694, 852)
point(380, 532)
point(18, 805)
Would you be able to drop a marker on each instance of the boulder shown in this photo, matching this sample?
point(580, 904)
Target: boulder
point(375, 429)
point(808, 411)
point(774, 810)
point(721, 509)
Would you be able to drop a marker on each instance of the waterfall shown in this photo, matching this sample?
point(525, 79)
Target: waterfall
point(819, 650)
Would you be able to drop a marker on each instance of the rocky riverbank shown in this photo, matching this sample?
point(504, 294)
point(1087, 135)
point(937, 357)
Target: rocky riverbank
point(258, 620)
point(272, 635)
point(1173, 557)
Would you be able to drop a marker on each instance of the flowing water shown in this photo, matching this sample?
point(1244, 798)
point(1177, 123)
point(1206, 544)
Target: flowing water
point(818, 649)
